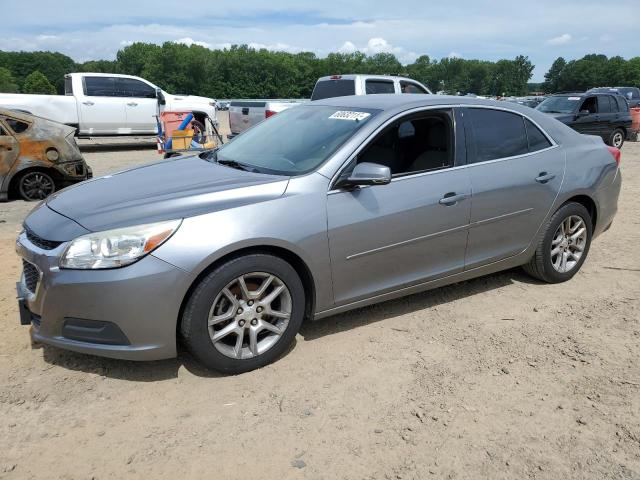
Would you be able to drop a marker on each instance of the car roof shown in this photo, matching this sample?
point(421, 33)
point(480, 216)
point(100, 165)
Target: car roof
point(389, 101)
point(352, 76)
point(26, 117)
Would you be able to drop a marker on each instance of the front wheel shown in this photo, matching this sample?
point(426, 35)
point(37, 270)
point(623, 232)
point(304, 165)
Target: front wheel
point(244, 314)
point(563, 246)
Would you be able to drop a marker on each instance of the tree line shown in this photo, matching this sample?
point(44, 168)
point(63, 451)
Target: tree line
point(244, 72)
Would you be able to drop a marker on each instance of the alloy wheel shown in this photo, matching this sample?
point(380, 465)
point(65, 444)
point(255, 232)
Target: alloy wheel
point(568, 244)
point(249, 315)
point(617, 139)
point(36, 186)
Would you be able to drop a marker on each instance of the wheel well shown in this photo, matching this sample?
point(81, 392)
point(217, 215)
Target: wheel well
point(589, 204)
point(13, 183)
point(294, 260)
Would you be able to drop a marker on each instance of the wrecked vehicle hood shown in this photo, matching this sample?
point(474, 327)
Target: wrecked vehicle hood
point(177, 188)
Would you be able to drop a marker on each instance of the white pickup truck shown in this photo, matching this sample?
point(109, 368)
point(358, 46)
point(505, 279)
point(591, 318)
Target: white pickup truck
point(108, 104)
point(246, 113)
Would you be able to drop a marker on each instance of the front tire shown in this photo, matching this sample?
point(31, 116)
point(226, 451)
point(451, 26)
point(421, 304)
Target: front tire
point(616, 139)
point(563, 245)
point(244, 314)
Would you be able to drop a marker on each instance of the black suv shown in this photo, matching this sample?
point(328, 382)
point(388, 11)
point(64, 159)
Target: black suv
point(604, 114)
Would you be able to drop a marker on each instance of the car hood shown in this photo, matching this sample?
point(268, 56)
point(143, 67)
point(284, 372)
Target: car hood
point(177, 188)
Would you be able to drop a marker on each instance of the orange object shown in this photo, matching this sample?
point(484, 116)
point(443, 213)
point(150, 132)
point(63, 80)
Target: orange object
point(182, 139)
point(171, 121)
point(635, 118)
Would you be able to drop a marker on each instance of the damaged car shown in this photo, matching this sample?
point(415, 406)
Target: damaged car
point(37, 157)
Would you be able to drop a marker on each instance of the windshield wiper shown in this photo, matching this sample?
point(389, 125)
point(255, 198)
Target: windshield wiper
point(236, 165)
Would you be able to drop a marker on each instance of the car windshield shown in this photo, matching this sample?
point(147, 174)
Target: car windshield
point(295, 141)
point(560, 104)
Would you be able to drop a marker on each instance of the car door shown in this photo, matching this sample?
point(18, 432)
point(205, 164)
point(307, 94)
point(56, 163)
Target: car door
point(9, 151)
point(141, 104)
point(587, 119)
point(606, 116)
point(101, 109)
point(515, 171)
point(413, 229)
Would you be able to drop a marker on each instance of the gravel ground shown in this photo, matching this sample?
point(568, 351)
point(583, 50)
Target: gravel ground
point(498, 377)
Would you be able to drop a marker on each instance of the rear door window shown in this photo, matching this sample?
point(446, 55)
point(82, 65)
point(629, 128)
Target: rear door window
point(497, 134)
point(100, 87)
point(604, 105)
point(374, 87)
point(333, 88)
point(537, 139)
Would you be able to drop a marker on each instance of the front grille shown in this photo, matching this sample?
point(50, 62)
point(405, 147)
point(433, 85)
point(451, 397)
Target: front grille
point(31, 276)
point(41, 242)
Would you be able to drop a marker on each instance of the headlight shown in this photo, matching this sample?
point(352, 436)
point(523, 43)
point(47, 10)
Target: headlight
point(116, 248)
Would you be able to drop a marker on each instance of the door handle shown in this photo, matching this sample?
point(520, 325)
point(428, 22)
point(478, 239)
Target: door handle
point(132, 104)
point(544, 177)
point(452, 198)
point(88, 103)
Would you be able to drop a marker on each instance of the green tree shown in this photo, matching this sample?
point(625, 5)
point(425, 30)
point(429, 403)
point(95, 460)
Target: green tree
point(36, 82)
point(552, 77)
point(7, 82)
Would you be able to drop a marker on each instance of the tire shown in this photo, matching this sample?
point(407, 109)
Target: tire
point(616, 139)
point(35, 185)
point(212, 298)
point(541, 265)
point(199, 131)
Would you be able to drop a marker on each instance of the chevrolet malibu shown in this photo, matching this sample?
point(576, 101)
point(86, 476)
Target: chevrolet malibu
point(324, 208)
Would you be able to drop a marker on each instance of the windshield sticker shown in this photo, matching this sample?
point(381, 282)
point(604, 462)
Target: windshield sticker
point(573, 99)
point(352, 116)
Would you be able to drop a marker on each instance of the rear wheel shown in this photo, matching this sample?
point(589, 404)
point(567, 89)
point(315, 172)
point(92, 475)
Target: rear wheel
point(244, 314)
point(35, 185)
point(616, 139)
point(564, 245)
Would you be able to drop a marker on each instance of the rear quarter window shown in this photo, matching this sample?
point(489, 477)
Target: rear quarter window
point(333, 88)
point(16, 125)
point(536, 139)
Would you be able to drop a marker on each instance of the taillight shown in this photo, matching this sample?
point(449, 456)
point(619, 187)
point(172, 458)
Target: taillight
point(615, 152)
point(335, 77)
point(269, 113)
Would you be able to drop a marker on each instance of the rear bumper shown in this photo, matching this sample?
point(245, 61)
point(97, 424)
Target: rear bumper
point(128, 313)
point(607, 202)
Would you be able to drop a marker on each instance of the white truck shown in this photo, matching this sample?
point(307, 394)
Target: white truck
point(108, 104)
point(246, 113)
point(358, 84)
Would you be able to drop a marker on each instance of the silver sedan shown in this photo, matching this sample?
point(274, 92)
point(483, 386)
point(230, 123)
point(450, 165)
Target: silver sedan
point(330, 206)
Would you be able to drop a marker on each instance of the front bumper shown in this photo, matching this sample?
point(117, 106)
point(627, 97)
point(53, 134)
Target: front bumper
point(127, 313)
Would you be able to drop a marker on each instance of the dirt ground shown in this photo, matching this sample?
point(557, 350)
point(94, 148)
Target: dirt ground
point(498, 377)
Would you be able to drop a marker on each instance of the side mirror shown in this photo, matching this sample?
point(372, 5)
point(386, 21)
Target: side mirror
point(367, 174)
point(160, 97)
point(583, 113)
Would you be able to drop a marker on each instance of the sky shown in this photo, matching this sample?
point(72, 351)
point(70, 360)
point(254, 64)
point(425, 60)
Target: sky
point(487, 30)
